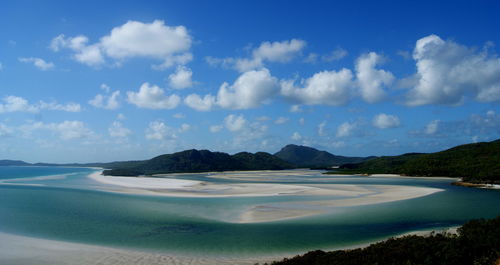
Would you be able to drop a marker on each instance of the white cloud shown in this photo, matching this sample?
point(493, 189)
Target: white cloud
point(296, 136)
point(38, 63)
point(283, 51)
point(200, 104)
point(117, 130)
point(384, 121)
point(181, 78)
point(235, 123)
point(295, 108)
point(106, 102)
point(278, 51)
point(153, 97)
point(159, 131)
point(281, 120)
point(447, 72)
point(432, 127)
point(66, 130)
point(121, 117)
point(19, 104)
point(5, 130)
point(132, 39)
point(1, 66)
point(345, 129)
point(335, 55)
point(371, 80)
point(250, 90)
point(69, 107)
point(216, 128)
point(184, 128)
point(322, 129)
point(327, 87)
point(302, 121)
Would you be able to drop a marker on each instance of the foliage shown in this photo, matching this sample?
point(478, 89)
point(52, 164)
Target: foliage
point(201, 161)
point(304, 156)
point(477, 242)
point(478, 162)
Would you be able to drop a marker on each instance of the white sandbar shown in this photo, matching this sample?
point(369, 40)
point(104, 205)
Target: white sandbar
point(330, 196)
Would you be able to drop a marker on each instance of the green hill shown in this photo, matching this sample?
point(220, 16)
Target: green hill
point(201, 161)
point(304, 156)
point(478, 163)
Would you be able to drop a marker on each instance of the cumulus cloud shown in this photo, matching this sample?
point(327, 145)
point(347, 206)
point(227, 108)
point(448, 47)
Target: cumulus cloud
point(296, 136)
point(250, 90)
point(158, 130)
point(278, 51)
point(345, 129)
point(66, 130)
point(384, 121)
point(153, 97)
point(19, 104)
point(326, 87)
point(37, 62)
point(371, 80)
point(281, 120)
point(117, 130)
point(200, 104)
point(184, 128)
point(235, 123)
point(156, 40)
point(432, 127)
point(447, 72)
point(106, 101)
point(181, 78)
point(295, 108)
point(216, 128)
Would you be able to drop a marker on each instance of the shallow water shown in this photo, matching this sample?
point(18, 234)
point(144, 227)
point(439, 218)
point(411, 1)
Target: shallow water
point(68, 207)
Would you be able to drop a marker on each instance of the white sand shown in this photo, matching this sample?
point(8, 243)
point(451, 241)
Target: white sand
point(21, 250)
point(347, 195)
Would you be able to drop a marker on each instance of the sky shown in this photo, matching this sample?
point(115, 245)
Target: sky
point(87, 81)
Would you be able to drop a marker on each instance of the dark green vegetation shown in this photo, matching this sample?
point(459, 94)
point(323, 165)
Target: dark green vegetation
point(477, 243)
point(304, 156)
point(201, 161)
point(476, 163)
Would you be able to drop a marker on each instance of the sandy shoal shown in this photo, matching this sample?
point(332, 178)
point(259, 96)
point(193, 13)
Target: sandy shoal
point(338, 195)
point(22, 250)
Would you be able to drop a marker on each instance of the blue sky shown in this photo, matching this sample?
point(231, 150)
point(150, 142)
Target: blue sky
point(89, 81)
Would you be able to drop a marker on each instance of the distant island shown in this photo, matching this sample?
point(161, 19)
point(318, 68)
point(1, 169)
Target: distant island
point(476, 163)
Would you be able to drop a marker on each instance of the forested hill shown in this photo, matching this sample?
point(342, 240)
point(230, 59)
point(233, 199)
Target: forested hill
point(201, 161)
point(477, 163)
point(304, 156)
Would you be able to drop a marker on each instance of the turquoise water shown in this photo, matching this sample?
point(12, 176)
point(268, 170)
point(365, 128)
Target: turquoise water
point(67, 207)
